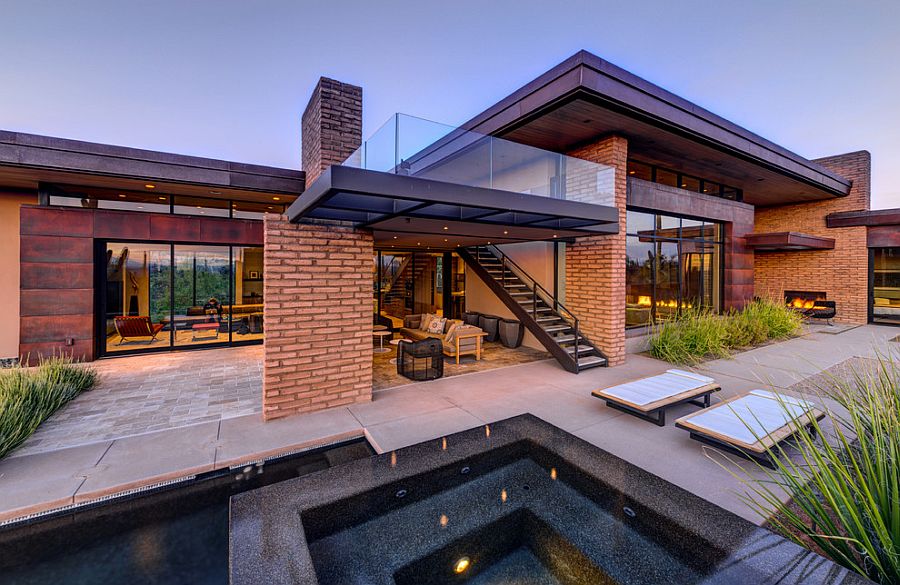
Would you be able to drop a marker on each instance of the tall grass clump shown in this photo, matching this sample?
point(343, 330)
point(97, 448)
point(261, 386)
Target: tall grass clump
point(845, 488)
point(29, 395)
point(696, 335)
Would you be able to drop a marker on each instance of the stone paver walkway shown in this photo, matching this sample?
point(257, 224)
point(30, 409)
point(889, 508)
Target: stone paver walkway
point(430, 410)
point(146, 393)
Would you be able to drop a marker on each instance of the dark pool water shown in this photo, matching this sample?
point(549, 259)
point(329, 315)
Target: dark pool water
point(175, 537)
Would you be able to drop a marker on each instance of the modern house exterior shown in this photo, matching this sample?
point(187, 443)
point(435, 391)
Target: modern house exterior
point(587, 205)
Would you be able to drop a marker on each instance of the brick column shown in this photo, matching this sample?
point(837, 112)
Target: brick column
point(331, 126)
point(595, 266)
point(318, 342)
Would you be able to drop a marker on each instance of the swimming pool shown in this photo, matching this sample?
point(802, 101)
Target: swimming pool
point(177, 535)
point(518, 501)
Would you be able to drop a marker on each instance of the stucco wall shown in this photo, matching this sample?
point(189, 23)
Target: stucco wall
point(9, 268)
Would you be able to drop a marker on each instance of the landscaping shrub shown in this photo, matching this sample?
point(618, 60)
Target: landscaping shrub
point(845, 491)
point(29, 395)
point(699, 334)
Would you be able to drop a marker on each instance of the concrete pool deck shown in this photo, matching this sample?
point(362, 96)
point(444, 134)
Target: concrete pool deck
point(398, 417)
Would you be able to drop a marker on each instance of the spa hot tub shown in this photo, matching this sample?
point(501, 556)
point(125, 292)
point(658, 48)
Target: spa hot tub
point(518, 501)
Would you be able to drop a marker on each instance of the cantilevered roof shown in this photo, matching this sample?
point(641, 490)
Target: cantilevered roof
point(585, 98)
point(29, 159)
point(394, 204)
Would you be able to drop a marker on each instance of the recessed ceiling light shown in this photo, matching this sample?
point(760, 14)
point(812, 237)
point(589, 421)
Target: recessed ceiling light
point(203, 213)
point(630, 172)
point(505, 232)
point(554, 235)
point(161, 198)
point(489, 243)
point(140, 206)
point(418, 243)
point(446, 228)
point(276, 198)
point(269, 207)
point(395, 237)
point(215, 192)
point(121, 196)
point(150, 186)
point(445, 239)
point(198, 207)
point(461, 565)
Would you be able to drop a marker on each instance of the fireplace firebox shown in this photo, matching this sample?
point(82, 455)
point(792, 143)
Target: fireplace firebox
point(803, 299)
point(812, 304)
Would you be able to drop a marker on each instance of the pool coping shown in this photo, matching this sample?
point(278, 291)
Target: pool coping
point(269, 526)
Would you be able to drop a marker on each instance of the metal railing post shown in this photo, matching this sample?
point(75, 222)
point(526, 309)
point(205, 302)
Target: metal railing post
point(576, 343)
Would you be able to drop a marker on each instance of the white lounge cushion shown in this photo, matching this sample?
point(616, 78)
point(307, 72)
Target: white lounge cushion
point(647, 390)
point(751, 417)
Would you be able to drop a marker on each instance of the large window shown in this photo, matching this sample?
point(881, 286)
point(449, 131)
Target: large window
point(886, 285)
point(164, 296)
point(408, 283)
point(663, 176)
point(672, 264)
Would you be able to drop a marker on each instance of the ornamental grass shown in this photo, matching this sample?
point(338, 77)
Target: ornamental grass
point(29, 395)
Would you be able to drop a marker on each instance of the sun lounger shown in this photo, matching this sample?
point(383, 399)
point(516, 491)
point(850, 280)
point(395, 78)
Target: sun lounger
point(750, 425)
point(648, 398)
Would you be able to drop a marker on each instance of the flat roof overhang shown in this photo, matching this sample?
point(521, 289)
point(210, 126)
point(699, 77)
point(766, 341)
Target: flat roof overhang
point(26, 160)
point(444, 214)
point(787, 242)
point(585, 98)
point(878, 217)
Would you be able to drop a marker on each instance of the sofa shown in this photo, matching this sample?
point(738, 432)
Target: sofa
point(457, 338)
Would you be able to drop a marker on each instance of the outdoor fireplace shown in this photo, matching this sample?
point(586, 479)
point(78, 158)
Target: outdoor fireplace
point(814, 305)
point(803, 300)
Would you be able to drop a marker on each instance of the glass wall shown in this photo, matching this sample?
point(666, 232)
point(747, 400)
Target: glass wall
point(886, 285)
point(410, 283)
point(165, 296)
point(672, 264)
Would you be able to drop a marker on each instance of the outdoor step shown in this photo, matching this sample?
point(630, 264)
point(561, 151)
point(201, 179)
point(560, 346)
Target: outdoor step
point(520, 294)
point(560, 339)
point(581, 349)
point(550, 319)
point(556, 328)
point(591, 362)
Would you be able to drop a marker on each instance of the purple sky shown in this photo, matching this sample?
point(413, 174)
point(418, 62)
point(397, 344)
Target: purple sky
point(229, 79)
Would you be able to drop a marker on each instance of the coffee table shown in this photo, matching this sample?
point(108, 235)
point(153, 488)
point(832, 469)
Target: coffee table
point(201, 327)
point(381, 335)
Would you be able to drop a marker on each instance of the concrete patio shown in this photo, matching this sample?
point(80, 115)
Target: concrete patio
point(406, 415)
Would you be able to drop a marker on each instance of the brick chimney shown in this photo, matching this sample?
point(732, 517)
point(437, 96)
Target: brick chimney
point(331, 126)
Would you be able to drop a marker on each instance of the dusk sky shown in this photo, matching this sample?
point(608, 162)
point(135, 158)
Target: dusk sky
point(229, 79)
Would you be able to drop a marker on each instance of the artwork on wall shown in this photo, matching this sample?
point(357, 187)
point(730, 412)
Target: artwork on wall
point(254, 275)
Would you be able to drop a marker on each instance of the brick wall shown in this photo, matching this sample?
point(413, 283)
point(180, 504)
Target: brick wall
point(331, 126)
point(318, 291)
point(842, 273)
point(595, 266)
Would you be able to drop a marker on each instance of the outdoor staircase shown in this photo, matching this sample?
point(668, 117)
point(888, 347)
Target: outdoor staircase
point(554, 326)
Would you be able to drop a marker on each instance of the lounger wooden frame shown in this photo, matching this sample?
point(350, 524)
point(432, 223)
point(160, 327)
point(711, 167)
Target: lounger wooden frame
point(655, 411)
point(759, 451)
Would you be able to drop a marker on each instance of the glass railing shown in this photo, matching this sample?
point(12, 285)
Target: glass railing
point(406, 145)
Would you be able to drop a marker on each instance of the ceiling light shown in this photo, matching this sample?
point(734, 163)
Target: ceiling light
point(161, 198)
point(445, 239)
point(418, 243)
point(630, 172)
point(554, 235)
point(215, 192)
point(276, 198)
point(269, 207)
point(505, 232)
point(121, 196)
point(395, 237)
point(150, 186)
point(446, 228)
point(489, 243)
point(140, 206)
point(198, 207)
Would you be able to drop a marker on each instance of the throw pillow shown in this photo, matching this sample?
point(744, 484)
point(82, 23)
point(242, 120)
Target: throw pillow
point(451, 331)
point(436, 326)
point(426, 321)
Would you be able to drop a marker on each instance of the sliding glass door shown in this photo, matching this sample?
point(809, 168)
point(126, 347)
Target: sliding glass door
point(172, 296)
